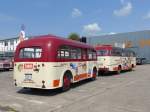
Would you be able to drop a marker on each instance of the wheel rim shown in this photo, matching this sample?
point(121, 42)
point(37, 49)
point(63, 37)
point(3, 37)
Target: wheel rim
point(94, 74)
point(66, 84)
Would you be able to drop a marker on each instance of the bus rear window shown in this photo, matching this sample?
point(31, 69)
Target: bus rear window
point(103, 52)
point(32, 52)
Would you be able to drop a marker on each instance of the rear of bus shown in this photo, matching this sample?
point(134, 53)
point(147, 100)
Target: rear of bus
point(108, 61)
point(103, 57)
point(31, 66)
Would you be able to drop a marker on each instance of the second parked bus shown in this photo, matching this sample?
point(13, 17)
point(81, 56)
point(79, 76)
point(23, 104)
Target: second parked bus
point(49, 62)
point(114, 59)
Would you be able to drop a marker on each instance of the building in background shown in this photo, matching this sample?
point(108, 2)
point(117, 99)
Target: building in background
point(138, 41)
point(8, 46)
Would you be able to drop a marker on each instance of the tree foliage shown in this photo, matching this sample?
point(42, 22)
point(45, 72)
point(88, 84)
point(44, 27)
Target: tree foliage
point(74, 36)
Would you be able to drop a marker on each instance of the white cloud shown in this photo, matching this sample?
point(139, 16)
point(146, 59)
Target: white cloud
point(76, 13)
point(112, 33)
point(4, 17)
point(125, 10)
point(92, 29)
point(147, 16)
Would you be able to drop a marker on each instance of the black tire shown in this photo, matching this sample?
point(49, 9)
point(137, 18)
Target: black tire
point(119, 70)
point(101, 73)
point(132, 67)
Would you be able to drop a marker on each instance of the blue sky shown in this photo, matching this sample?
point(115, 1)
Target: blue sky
point(61, 17)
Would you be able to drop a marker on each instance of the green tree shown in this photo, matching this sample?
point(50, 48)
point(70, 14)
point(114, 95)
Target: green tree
point(74, 36)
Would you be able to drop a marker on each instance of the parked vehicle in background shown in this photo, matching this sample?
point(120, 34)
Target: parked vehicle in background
point(114, 59)
point(140, 61)
point(6, 63)
point(49, 62)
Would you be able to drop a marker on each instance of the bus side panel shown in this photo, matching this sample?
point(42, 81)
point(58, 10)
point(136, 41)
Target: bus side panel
point(50, 74)
point(90, 66)
point(109, 63)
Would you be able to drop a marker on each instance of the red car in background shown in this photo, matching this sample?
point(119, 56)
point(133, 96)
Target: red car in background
point(6, 63)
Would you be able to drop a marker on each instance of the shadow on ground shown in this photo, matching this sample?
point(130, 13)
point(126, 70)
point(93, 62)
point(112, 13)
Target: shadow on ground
point(43, 92)
point(114, 73)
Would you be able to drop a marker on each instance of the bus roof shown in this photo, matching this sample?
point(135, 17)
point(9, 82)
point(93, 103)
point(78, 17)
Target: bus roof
point(56, 41)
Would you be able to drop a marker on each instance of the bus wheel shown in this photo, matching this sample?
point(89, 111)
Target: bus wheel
point(94, 74)
point(66, 83)
point(119, 70)
point(101, 73)
point(132, 67)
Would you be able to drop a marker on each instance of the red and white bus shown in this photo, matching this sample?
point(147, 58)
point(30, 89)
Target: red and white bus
point(49, 62)
point(114, 59)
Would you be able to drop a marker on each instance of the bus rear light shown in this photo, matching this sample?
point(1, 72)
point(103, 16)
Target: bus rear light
point(56, 83)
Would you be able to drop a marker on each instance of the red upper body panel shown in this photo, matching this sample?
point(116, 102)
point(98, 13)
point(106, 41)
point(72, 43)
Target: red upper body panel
point(106, 47)
point(49, 45)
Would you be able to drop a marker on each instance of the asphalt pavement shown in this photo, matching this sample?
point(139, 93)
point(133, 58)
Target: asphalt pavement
point(127, 92)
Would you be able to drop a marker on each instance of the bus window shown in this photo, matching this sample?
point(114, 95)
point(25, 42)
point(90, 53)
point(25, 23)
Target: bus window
point(84, 55)
point(89, 54)
point(33, 52)
point(132, 54)
point(92, 54)
point(103, 52)
point(116, 52)
point(75, 53)
point(69, 52)
point(63, 52)
point(78, 53)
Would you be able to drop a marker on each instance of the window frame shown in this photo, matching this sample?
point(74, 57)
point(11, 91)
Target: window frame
point(34, 47)
point(79, 51)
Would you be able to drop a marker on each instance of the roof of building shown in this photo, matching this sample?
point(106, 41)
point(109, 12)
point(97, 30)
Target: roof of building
point(120, 34)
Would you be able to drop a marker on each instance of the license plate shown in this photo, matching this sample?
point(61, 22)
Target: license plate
point(28, 77)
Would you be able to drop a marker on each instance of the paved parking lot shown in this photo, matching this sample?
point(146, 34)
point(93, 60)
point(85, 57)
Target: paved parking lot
point(127, 92)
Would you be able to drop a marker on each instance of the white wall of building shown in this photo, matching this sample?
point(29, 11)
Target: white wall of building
point(9, 45)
